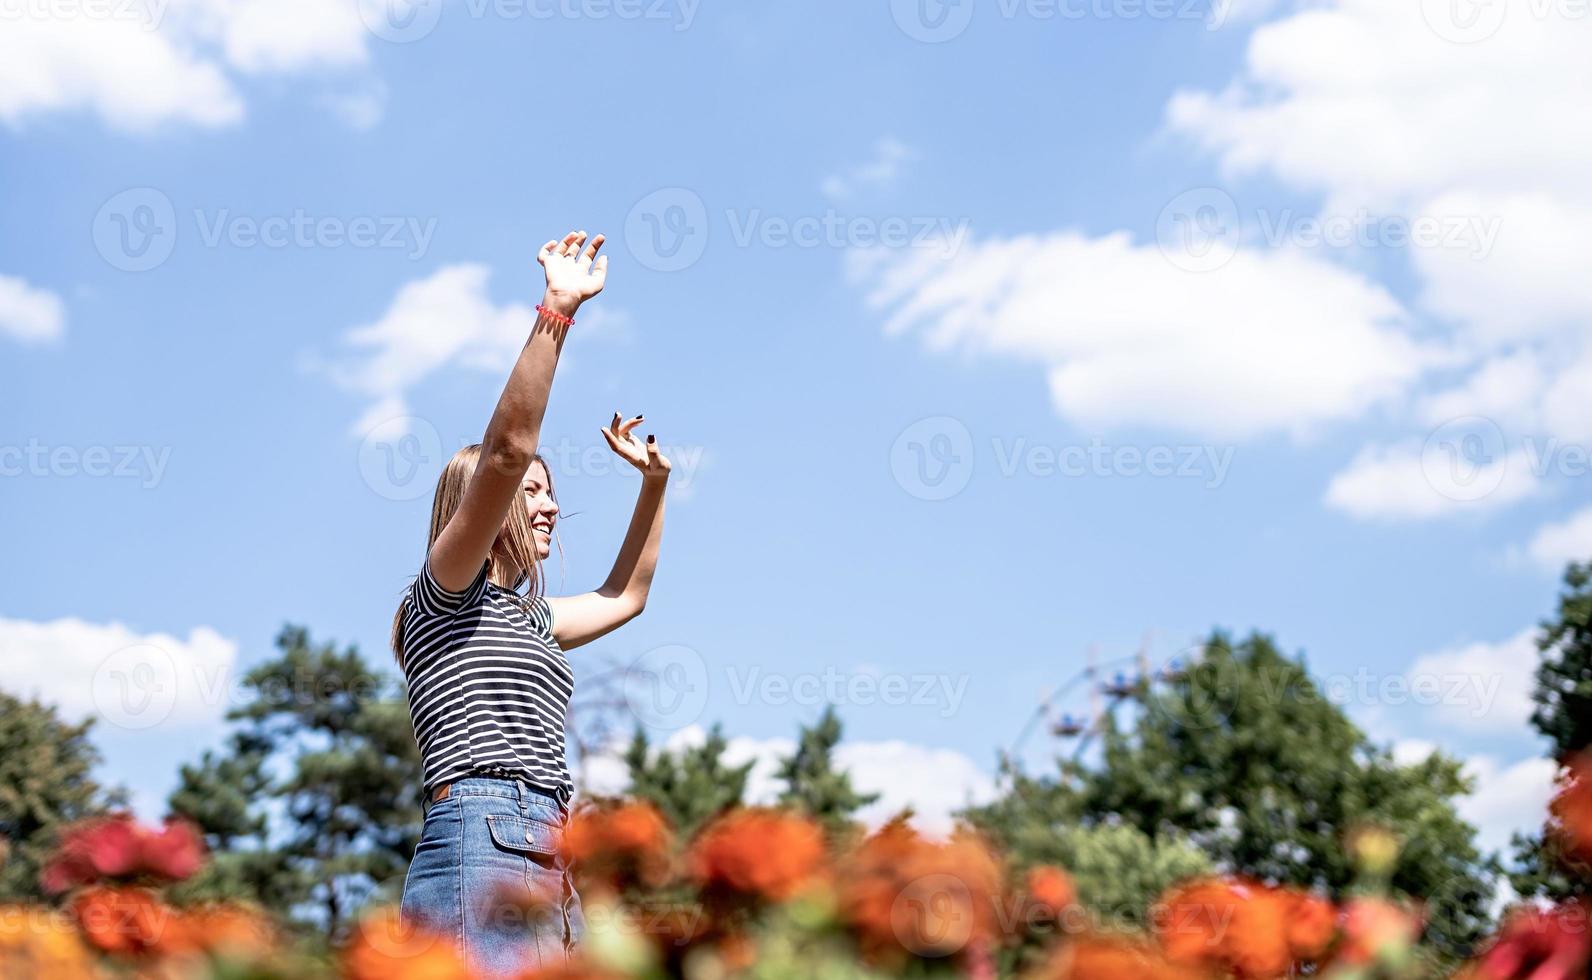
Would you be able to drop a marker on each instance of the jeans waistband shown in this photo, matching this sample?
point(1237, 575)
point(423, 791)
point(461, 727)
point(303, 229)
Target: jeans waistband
point(509, 788)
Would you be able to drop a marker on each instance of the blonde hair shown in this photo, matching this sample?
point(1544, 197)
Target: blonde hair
point(514, 560)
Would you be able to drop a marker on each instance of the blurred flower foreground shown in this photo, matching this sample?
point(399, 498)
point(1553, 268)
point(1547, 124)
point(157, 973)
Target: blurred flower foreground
point(766, 892)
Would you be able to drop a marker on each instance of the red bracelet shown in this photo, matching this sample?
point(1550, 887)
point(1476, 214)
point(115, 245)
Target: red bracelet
point(555, 316)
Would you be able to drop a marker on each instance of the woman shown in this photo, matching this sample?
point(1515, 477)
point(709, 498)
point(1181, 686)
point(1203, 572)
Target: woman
point(483, 653)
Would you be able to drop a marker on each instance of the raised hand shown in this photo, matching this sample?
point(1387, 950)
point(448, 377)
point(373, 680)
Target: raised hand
point(574, 275)
point(644, 457)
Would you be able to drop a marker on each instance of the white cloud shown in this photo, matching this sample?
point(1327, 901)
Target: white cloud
point(1478, 686)
point(933, 782)
point(139, 65)
point(880, 172)
point(1507, 798)
point(1421, 482)
point(1393, 108)
point(1556, 545)
point(1273, 341)
point(129, 681)
point(446, 320)
point(29, 314)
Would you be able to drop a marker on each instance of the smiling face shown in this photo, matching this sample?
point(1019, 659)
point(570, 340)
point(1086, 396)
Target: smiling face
point(538, 490)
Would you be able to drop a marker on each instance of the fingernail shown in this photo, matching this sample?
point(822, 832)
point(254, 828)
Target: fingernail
point(651, 440)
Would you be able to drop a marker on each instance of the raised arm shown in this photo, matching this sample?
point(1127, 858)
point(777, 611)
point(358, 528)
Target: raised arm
point(573, 276)
point(579, 619)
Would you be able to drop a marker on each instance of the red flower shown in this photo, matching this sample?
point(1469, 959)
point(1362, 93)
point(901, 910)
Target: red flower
point(1537, 944)
point(116, 847)
point(1312, 924)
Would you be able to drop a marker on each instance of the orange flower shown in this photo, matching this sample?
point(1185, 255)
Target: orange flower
point(129, 921)
point(1572, 809)
point(1312, 924)
point(231, 930)
point(1051, 889)
point(619, 846)
point(757, 853)
point(117, 847)
point(37, 942)
point(904, 896)
point(1373, 927)
point(385, 948)
point(1232, 924)
point(1098, 958)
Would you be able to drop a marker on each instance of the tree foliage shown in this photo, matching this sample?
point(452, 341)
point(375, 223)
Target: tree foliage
point(316, 804)
point(1243, 756)
point(46, 781)
point(689, 785)
point(814, 785)
point(1563, 716)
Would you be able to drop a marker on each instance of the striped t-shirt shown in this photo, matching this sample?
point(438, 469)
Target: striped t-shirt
point(488, 684)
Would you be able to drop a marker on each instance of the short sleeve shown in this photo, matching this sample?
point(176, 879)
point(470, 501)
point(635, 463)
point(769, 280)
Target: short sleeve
point(431, 599)
point(541, 614)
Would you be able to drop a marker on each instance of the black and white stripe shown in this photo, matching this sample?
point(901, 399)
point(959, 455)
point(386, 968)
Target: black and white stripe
point(488, 684)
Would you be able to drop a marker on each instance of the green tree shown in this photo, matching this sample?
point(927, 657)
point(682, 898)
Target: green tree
point(1242, 755)
point(813, 784)
point(325, 748)
point(46, 781)
point(1119, 870)
point(688, 786)
point(1564, 717)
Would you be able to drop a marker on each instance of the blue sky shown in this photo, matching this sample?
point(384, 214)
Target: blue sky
point(1110, 326)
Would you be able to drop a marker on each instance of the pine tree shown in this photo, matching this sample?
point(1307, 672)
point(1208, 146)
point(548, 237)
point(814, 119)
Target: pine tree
point(1563, 716)
point(813, 784)
point(688, 786)
point(46, 781)
point(326, 743)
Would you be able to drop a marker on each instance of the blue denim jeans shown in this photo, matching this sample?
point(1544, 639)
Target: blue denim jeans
point(488, 875)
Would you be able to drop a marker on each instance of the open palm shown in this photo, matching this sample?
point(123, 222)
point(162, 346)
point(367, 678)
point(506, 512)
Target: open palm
point(574, 274)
